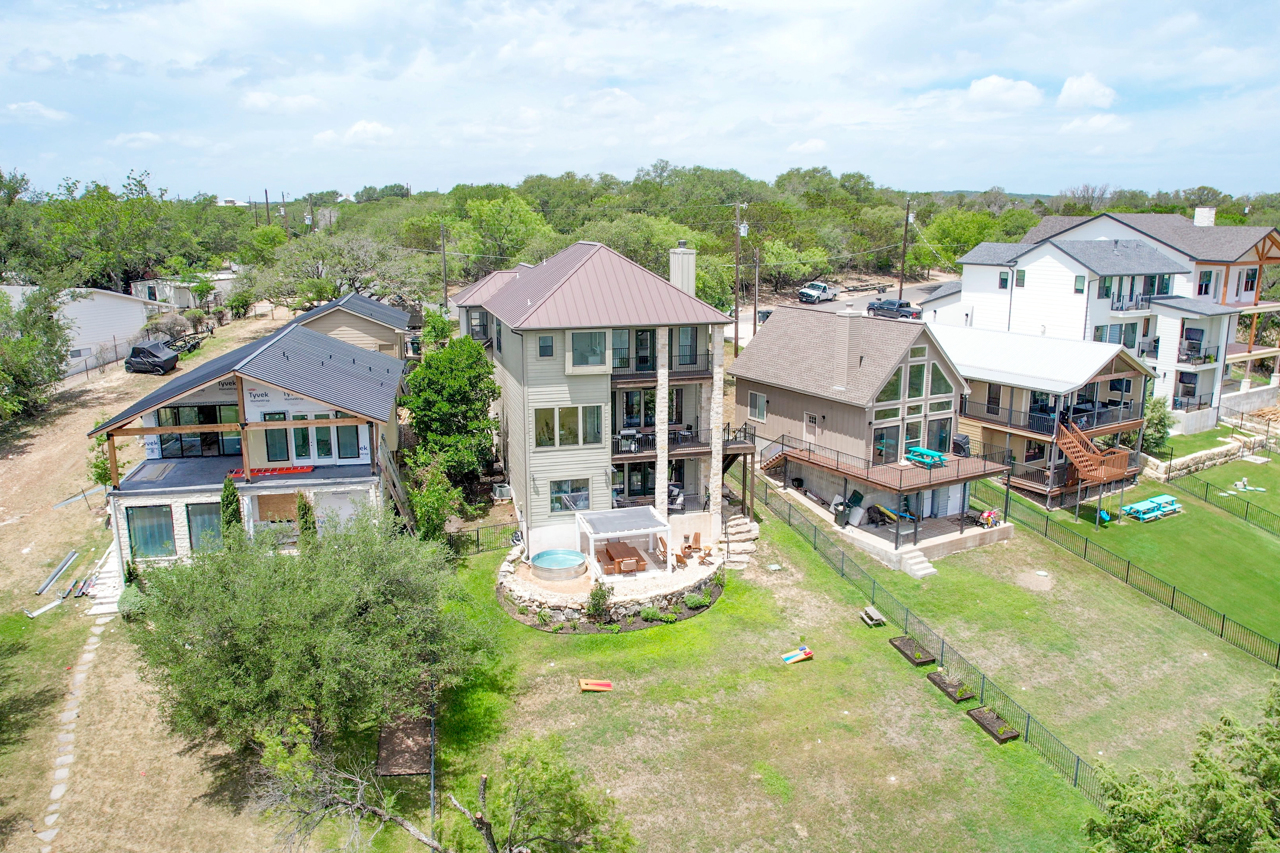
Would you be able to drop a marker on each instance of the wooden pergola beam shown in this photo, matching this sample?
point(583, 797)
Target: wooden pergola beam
point(190, 428)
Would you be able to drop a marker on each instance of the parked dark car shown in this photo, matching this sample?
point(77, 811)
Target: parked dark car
point(895, 308)
point(151, 357)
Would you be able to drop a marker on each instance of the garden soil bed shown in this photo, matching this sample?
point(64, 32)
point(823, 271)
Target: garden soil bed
point(583, 626)
point(955, 689)
point(916, 654)
point(992, 723)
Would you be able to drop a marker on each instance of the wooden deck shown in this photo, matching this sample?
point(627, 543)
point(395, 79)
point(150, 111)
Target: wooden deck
point(905, 478)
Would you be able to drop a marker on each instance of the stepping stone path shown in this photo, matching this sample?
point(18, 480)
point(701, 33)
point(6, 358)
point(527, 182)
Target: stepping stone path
point(67, 737)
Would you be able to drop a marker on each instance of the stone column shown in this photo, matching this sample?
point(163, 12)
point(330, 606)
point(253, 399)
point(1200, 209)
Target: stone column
point(1247, 382)
point(663, 395)
point(715, 477)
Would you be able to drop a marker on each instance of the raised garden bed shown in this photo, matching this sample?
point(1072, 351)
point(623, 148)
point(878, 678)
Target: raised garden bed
point(994, 725)
point(955, 689)
point(916, 654)
point(529, 617)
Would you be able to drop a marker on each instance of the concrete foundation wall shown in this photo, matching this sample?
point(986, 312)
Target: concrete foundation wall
point(1190, 423)
point(1249, 401)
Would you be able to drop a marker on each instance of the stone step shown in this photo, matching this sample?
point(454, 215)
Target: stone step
point(103, 609)
point(742, 548)
point(916, 566)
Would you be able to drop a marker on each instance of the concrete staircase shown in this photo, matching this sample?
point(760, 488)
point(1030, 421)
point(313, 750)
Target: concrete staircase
point(915, 565)
point(107, 585)
point(740, 541)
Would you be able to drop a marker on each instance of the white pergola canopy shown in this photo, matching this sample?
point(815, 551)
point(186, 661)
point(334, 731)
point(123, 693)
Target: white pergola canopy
point(627, 523)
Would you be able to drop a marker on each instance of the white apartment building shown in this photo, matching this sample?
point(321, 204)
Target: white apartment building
point(1171, 291)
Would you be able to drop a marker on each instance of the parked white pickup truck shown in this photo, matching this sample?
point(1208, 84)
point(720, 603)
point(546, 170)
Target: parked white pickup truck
point(817, 291)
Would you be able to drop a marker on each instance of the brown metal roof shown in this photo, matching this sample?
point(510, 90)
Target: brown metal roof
point(475, 294)
point(806, 350)
point(590, 286)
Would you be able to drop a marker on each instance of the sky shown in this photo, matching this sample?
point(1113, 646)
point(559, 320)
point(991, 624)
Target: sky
point(234, 96)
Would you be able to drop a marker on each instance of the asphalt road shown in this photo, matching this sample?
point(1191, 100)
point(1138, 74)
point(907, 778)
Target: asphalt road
point(913, 293)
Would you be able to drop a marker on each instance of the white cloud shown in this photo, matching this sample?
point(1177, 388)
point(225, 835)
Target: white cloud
point(1002, 93)
point(269, 102)
point(809, 146)
point(1100, 123)
point(1085, 91)
point(363, 132)
point(34, 110)
point(140, 139)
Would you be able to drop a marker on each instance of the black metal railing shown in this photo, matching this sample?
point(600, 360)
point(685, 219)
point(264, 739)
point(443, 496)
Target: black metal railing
point(1035, 734)
point(1192, 404)
point(489, 537)
point(1149, 349)
point(678, 364)
point(1197, 355)
point(1086, 418)
point(887, 473)
point(1043, 478)
point(635, 441)
point(1041, 422)
point(1137, 302)
point(1166, 594)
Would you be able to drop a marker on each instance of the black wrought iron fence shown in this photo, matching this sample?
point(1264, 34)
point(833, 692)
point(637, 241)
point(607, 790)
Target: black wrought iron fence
point(1062, 758)
point(1261, 647)
point(491, 537)
point(1223, 499)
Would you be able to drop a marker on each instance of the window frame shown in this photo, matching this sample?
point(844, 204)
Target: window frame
point(752, 407)
point(1080, 284)
point(1020, 278)
point(565, 421)
point(195, 539)
point(573, 488)
point(546, 346)
point(134, 550)
point(603, 352)
point(936, 373)
point(892, 385)
point(282, 434)
point(538, 443)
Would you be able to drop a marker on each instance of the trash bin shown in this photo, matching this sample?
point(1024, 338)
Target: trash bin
point(797, 482)
point(841, 510)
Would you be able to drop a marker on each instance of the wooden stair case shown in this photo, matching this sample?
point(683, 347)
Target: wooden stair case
point(1092, 464)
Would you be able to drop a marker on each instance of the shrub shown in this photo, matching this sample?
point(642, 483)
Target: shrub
point(557, 629)
point(667, 618)
point(650, 614)
point(696, 601)
point(522, 610)
point(612, 629)
point(598, 602)
point(167, 326)
point(544, 616)
point(132, 603)
point(196, 318)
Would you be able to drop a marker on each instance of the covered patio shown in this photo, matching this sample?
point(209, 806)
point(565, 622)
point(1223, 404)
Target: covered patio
point(621, 542)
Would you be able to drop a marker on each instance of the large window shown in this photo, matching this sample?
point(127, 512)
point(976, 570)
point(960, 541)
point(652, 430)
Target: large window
point(588, 348)
point(912, 438)
point(756, 405)
point(176, 445)
point(884, 445)
point(688, 343)
point(544, 427)
point(592, 428)
point(1163, 284)
point(324, 439)
point(301, 440)
point(645, 350)
point(1206, 281)
point(621, 348)
point(631, 404)
point(1104, 287)
point(940, 435)
point(892, 389)
point(1250, 280)
point(277, 439)
point(348, 440)
point(938, 381)
point(150, 531)
point(568, 426)
point(204, 526)
point(570, 495)
point(915, 381)
point(650, 406)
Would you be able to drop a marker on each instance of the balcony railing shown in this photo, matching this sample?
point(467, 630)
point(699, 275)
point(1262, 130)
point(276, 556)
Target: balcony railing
point(1137, 302)
point(1038, 422)
point(1059, 475)
point(633, 441)
point(479, 333)
point(679, 364)
point(1192, 404)
point(1197, 354)
point(1149, 349)
point(1086, 418)
point(887, 474)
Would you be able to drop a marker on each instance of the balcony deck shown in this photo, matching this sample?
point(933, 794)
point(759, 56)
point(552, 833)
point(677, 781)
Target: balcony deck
point(902, 477)
point(633, 372)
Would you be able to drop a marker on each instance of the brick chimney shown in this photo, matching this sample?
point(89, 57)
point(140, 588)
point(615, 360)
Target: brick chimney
point(1206, 215)
point(684, 267)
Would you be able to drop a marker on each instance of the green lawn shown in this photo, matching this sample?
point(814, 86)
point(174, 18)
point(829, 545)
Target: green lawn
point(1266, 475)
point(1207, 553)
point(1185, 445)
point(1104, 667)
point(710, 743)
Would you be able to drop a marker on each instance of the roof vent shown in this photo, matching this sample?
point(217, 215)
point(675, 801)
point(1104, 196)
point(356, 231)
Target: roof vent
point(683, 244)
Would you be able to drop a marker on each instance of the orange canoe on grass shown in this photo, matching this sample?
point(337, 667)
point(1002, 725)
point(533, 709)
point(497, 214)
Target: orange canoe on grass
point(590, 685)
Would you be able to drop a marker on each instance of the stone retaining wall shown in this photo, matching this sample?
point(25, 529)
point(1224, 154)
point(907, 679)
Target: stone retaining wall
point(1229, 452)
point(562, 607)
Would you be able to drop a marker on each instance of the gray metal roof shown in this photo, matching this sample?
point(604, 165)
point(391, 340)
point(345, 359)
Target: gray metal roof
point(1051, 226)
point(1120, 257)
point(945, 290)
point(994, 254)
point(1208, 243)
point(806, 350)
point(296, 359)
point(1191, 305)
point(364, 306)
point(590, 286)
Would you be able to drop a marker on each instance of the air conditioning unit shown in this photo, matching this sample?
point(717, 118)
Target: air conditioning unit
point(502, 491)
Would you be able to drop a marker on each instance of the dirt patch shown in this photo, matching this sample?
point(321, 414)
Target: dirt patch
point(1035, 582)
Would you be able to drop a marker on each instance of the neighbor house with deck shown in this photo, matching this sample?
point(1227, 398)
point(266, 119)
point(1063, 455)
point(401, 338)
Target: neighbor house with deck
point(612, 380)
point(362, 322)
point(863, 410)
point(294, 413)
point(1057, 407)
point(1172, 291)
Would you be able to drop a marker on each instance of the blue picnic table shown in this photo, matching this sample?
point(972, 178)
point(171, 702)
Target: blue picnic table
point(925, 457)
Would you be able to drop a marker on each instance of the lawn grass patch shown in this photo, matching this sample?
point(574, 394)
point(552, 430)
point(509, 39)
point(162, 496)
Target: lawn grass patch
point(710, 742)
point(1224, 478)
point(1185, 445)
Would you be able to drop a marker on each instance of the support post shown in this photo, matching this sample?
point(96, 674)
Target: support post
point(715, 477)
point(244, 421)
point(755, 301)
point(111, 461)
point(1008, 482)
point(915, 521)
point(737, 272)
point(661, 434)
point(373, 448)
point(897, 525)
point(1097, 516)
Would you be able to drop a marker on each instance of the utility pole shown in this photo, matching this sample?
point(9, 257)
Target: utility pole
point(254, 205)
point(266, 205)
point(902, 269)
point(737, 274)
point(284, 212)
point(311, 221)
point(755, 307)
point(444, 271)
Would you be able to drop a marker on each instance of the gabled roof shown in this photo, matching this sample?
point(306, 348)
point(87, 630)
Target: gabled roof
point(994, 254)
point(590, 286)
point(476, 294)
point(296, 359)
point(944, 291)
point(804, 349)
point(370, 309)
point(1056, 365)
point(1208, 243)
point(1119, 257)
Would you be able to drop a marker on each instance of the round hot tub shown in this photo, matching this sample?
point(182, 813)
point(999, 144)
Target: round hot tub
point(559, 564)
